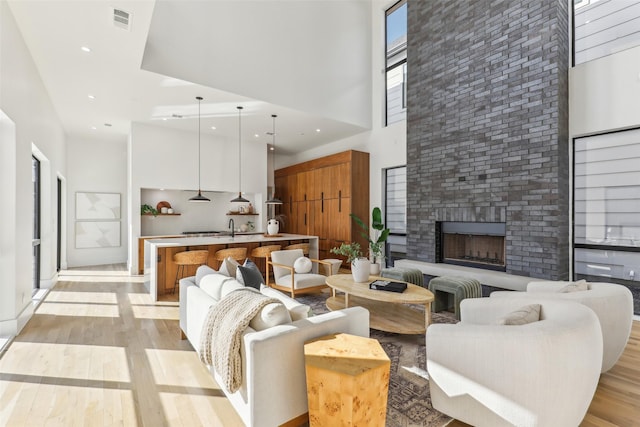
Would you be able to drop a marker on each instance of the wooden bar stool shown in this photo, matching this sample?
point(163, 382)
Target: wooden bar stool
point(303, 246)
point(264, 252)
point(239, 254)
point(187, 258)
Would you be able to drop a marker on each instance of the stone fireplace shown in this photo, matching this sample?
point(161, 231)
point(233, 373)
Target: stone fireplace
point(487, 130)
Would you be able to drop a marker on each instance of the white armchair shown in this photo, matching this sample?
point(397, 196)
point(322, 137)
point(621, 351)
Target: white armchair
point(539, 374)
point(287, 280)
point(613, 304)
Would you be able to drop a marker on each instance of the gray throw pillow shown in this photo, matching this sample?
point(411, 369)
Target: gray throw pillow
point(249, 274)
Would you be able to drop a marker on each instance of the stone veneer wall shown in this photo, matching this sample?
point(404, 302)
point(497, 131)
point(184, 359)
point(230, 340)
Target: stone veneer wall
point(487, 126)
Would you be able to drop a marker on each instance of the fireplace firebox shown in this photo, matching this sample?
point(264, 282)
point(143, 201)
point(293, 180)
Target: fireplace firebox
point(472, 244)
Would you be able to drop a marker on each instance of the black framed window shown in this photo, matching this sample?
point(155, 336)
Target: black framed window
point(395, 212)
point(604, 27)
point(606, 207)
point(35, 177)
point(396, 62)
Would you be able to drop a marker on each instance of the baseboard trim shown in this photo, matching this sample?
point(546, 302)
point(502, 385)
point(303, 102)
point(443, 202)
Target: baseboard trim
point(12, 327)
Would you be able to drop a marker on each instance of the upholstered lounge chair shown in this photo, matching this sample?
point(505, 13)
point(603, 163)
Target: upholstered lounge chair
point(287, 280)
point(543, 373)
point(613, 304)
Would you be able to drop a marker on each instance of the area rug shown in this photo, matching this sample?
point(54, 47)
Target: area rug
point(409, 402)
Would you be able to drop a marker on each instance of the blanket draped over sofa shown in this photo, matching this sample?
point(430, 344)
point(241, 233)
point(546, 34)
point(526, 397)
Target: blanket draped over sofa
point(222, 332)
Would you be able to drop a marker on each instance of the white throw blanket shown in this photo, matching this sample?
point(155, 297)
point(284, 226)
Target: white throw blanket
point(221, 334)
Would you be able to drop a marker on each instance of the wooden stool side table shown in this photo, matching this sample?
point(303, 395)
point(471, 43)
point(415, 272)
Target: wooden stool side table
point(347, 381)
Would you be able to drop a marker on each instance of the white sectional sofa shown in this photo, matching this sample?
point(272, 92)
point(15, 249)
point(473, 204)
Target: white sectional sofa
point(273, 388)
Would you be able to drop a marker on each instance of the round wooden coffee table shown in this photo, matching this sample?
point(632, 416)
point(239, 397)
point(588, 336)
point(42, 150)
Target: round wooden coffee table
point(388, 311)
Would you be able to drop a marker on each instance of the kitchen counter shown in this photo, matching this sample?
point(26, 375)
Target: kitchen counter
point(160, 275)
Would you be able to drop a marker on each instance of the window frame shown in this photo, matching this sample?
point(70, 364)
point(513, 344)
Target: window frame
point(395, 65)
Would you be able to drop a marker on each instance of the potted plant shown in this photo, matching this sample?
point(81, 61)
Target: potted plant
point(359, 265)
point(376, 239)
point(148, 209)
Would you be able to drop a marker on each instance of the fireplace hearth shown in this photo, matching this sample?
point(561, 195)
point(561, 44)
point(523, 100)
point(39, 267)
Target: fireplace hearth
point(472, 244)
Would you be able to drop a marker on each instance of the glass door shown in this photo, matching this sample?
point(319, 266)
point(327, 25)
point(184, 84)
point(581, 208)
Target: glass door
point(35, 177)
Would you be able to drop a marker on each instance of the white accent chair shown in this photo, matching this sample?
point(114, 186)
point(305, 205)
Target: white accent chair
point(543, 373)
point(287, 280)
point(613, 304)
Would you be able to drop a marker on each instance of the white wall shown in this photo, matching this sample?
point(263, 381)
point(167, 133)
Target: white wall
point(387, 146)
point(96, 166)
point(604, 94)
point(29, 121)
point(161, 158)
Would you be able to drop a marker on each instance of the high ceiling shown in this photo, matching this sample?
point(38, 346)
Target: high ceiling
point(98, 94)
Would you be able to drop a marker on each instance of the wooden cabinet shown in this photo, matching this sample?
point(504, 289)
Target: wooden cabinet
point(319, 195)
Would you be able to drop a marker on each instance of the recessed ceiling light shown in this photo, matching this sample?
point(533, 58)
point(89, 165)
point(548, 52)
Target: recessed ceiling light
point(85, 49)
point(91, 96)
point(164, 119)
point(271, 148)
point(317, 130)
point(213, 127)
point(93, 128)
point(256, 135)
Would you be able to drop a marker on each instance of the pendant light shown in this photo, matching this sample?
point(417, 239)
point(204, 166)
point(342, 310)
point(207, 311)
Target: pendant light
point(199, 198)
point(274, 200)
point(239, 199)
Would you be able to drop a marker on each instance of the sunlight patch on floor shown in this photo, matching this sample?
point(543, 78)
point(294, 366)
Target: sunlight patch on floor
point(176, 368)
point(82, 297)
point(152, 312)
point(84, 362)
point(75, 309)
point(102, 279)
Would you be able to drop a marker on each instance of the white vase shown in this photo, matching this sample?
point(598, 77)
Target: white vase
point(273, 226)
point(360, 269)
point(375, 269)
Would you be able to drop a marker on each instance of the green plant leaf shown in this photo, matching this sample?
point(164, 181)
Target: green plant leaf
point(376, 217)
point(358, 221)
point(383, 236)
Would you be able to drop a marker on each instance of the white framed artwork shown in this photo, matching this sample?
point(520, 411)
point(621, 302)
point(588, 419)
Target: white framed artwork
point(91, 205)
point(97, 234)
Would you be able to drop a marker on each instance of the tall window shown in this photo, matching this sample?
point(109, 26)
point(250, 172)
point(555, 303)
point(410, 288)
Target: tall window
point(396, 62)
point(607, 202)
point(395, 197)
point(604, 27)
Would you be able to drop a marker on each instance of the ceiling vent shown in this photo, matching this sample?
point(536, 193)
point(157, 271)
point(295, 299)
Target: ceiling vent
point(121, 19)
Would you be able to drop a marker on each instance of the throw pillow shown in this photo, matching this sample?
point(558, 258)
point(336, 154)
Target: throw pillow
point(527, 314)
point(249, 274)
point(273, 314)
point(580, 285)
point(218, 285)
point(297, 310)
point(302, 265)
point(202, 271)
point(228, 267)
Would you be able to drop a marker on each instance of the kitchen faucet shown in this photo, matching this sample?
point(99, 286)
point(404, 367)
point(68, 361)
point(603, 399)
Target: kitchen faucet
point(232, 226)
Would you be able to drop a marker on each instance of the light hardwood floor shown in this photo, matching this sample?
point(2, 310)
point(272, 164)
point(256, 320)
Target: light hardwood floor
point(99, 352)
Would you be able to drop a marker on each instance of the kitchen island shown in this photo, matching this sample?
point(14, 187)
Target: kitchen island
point(160, 275)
